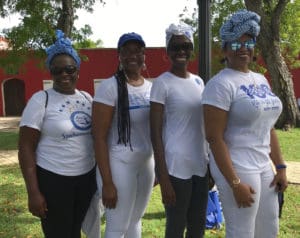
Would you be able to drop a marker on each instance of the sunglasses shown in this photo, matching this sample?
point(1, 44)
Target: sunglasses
point(69, 69)
point(236, 45)
point(179, 47)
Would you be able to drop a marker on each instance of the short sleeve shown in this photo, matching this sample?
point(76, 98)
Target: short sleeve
point(218, 93)
point(107, 92)
point(158, 91)
point(33, 113)
point(87, 96)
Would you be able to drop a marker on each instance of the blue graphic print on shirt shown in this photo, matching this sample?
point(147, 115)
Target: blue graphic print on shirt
point(257, 93)
point(137, 101)
point(198, 81)
point(79, 117)
point(260, 91)
point(81, 120)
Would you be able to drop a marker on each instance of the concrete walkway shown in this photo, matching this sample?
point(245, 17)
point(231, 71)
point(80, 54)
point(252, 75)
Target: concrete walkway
point(10, 157)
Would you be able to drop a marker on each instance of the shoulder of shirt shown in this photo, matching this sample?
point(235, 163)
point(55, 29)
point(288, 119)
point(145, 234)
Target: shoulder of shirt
point(84, 92)
point(195, 76)
point(39, 94)
point(109, 82)
point(38, 97)
point(163, 77)
point(258, 75)
point(148, 82)
point(221, 78)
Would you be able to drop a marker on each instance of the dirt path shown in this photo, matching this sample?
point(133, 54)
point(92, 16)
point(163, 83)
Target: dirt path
point(9, 123)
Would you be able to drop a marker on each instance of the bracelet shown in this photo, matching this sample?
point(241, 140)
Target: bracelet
point(280, 166)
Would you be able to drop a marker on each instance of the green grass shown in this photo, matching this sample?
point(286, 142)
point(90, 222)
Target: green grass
point(290, 144)
point(9, 140)
point(17, 222)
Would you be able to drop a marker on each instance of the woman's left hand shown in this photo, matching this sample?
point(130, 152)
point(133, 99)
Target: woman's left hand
point(280, 181)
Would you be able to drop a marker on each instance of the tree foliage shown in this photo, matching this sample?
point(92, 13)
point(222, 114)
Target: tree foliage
point(278, 44)
point(36, 30)
point(220, 9)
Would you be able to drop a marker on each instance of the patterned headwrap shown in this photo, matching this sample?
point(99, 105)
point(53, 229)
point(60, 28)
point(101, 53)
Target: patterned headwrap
point(180, 29)
point(63, 45)
point(239, 23)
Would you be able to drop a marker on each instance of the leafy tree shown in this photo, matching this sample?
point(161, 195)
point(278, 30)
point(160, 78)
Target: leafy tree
point(278, 43)
point(39, 19)
point(269, 42)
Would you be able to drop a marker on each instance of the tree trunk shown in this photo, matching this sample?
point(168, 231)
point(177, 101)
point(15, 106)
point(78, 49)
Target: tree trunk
point(282, 84)
point(66, 18)
point(269, 44)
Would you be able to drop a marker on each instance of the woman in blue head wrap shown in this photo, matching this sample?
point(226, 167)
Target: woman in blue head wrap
point(55, 147)
point(240, 111)
point(178, 139)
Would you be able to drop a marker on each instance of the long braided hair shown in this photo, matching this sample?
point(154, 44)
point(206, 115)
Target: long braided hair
point(124, 127)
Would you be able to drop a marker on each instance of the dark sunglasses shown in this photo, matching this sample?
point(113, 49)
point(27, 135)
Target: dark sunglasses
point(236, 45)
point(69, 69)
point(183, 46)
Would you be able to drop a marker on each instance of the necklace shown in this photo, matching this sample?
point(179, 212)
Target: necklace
point(134, 82)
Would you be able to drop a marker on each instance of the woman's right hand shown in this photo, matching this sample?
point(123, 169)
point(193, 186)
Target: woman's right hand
point(109, 196)
point(167, 192)
point(37, 205)
point(243, 194)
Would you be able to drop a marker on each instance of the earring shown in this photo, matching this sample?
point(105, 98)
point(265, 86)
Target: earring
point(144, 67)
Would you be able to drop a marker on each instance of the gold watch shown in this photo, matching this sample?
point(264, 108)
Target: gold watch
point(236, 182)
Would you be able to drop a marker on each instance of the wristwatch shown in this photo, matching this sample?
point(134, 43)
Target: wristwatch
point(236, 182)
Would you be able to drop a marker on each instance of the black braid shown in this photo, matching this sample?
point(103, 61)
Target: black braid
point(123, 109)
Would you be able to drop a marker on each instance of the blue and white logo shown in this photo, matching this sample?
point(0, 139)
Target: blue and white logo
point(261, 91)
point(81, 120)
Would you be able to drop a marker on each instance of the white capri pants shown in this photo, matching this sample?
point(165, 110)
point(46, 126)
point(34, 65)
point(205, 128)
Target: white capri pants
point(259, 220)
point(134, 182)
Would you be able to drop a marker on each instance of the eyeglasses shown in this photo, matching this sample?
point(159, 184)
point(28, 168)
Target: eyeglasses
point(236, 45)
point(179, 47)
point(69, 69)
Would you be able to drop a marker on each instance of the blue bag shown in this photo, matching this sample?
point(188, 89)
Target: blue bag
point(214, 217)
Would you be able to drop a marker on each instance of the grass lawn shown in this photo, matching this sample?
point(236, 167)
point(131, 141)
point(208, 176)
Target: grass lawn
point(17, 222)
point(8, 140)
point(289, 143)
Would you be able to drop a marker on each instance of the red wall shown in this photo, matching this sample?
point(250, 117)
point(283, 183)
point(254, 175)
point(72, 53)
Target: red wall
point(100, 64)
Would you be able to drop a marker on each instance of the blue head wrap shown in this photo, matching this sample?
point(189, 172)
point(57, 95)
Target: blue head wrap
point(180, 29)
point(241, 22)
point(63, 45)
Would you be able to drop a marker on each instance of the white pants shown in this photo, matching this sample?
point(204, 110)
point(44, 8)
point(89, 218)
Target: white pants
point(134, 182)
point(261, 220)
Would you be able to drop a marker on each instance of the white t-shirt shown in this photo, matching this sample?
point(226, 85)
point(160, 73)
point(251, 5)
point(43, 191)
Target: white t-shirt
point(252, 111)
point(139, 107)
point(186, 150)
point(65, 145)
